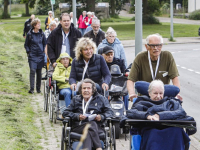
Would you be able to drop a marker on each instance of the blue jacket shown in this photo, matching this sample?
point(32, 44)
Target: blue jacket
point(97, 70)
point(117, 47)
point(98, 105)
point(35, 44)
point(168, 109)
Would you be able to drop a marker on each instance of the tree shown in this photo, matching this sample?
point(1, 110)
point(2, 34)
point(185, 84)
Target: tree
point(5, 10)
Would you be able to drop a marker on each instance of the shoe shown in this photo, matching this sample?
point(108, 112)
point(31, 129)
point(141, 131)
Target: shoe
point(31, 92)
point(38, 91)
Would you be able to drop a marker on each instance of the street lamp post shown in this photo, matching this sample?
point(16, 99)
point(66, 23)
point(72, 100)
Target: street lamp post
point(74, 12)
point(171, 16)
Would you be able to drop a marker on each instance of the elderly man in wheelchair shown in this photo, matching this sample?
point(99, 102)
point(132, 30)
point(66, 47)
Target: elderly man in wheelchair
point(159, 119)
point(88, 108)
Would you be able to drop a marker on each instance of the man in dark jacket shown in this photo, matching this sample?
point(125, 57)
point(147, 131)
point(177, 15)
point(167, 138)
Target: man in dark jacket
point(95, 34)
point(62, 39)
point(27, 25)
point(89, 107)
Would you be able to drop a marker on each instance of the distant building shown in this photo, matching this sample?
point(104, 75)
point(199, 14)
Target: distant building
point(193, 5)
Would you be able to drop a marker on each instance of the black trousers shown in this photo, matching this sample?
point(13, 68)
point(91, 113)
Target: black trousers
point(38, 73)
point(92, 139)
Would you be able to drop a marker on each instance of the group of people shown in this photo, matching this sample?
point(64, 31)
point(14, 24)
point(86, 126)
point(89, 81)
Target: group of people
point(82, 61)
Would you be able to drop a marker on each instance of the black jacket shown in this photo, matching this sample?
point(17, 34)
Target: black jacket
point(119, 62)
point(55, 40)
point(97, 69)
point(98, 39)
point(27, 26)
point(98, 105)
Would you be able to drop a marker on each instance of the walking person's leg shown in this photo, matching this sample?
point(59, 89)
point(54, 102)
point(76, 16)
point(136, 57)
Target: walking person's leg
point(38, 79)
point(32, 80)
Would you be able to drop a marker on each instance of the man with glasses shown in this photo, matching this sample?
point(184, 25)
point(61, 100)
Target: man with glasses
point(62, 39)
point(153, 64)
point(96, 34)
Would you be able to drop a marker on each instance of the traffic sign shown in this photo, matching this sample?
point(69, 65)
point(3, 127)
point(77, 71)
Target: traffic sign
point(52, 2)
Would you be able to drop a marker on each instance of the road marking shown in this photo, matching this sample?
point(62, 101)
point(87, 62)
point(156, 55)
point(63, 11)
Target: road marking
point(190, 70)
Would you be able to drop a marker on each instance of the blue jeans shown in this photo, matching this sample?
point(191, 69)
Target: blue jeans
point(125, 98)
point(82, 31)
point(67, 92)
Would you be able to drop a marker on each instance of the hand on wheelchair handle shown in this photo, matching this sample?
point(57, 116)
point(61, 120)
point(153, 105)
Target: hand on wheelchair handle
point(54, 64)
point(98, 118)
point(131, 96)
point(105, 86)
point(73, 87)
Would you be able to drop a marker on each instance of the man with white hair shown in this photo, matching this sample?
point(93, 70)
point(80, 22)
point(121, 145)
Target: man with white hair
point(153, 64)
point(95, 34)
point(48, 20)
point(27, 25)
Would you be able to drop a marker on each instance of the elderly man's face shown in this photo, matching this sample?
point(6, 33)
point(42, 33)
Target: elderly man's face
point(65, 22)
point(108, 57)
point(154, 47)
point(86, 90)
point(50, 14)
point(87, 52)
point(156, 93)
point(95, 27)
point(110, 38)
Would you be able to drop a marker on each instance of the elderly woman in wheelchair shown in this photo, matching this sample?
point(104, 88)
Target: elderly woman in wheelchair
point(89, 108)
point(158, 108)
point(61, 75)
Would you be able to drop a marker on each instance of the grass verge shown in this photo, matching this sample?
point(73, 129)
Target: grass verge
point(17, 127)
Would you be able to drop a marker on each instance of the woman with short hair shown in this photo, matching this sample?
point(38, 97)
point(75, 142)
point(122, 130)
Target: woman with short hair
point(35, 44)
point(112, 40)
point(88, 64)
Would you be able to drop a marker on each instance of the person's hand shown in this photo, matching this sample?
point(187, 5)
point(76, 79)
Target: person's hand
point(82, 117)
point(154, 117)
point(54, 64)
point(131, 96)
point(67, 79)
point(73, 87)
point(157, 116)
point(105, 85)
point(179, 97)
point(98, 118)
point(24, 36)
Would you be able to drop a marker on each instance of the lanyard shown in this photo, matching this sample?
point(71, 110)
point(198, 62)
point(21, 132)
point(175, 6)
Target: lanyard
point(84, 107)
point(150, 65)
point(64, 37)
point(85, 68)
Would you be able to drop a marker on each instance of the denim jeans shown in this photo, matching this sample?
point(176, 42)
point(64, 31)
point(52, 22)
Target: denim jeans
point(126, 102)
point(67, 92)
point(82, 31)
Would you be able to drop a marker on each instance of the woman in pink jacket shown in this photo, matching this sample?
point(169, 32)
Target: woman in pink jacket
point(82, 21)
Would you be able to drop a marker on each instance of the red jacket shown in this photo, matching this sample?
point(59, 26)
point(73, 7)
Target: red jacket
point(81, 22)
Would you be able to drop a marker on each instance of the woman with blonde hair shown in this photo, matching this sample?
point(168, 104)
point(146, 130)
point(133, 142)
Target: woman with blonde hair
point(88, 64)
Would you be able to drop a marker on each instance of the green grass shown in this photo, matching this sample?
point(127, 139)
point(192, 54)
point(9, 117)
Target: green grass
point(126, 30)
point(17, 129)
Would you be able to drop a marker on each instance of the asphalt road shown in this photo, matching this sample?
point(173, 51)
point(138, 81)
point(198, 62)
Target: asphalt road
point(187, 57)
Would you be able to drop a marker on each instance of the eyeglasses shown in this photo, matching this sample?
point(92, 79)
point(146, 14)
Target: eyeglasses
point(111, 37)
point(155, 45)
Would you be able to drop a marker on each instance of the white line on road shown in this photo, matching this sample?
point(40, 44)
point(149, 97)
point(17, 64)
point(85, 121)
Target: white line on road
point(183, 67)
point(190, 70)
point(197, 72)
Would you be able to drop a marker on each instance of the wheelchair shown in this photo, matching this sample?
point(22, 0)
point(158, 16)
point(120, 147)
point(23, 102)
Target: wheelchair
point(70, 140)
point(136, 125)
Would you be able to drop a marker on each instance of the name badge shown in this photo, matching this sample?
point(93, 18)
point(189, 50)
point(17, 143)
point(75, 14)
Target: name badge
point(165, 74)
point(63, 50)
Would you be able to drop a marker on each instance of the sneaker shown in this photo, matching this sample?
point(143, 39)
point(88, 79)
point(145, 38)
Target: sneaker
point(31, 92)
point(38, 91)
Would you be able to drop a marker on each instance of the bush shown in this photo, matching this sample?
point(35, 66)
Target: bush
point(4, 16)
point(195, 15)
point(150, 19)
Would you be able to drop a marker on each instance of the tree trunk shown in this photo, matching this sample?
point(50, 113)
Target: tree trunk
point(5, 10)
point(112, 7)
point(90, 5)
point(27, 9)
point(145, 3)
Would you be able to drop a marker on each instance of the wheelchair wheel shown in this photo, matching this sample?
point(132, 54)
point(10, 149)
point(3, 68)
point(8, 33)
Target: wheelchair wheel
point(50, 106)
point(54, 110)
point(112, 137)
point(63, 142)
point(117, 130)
point(45, 97)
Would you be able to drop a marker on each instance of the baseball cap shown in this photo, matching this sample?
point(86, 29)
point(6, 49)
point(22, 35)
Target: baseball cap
point(107, 49)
